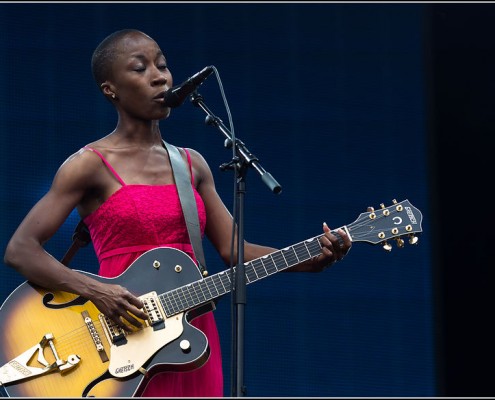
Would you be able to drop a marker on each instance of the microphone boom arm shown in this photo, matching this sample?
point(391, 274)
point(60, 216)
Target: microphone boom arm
point(244, 155)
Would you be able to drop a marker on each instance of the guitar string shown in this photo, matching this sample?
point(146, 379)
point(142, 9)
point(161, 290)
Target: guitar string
point(72, 342)
point(289, 255)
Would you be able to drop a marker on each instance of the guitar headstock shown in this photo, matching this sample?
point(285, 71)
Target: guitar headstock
point(394, 222)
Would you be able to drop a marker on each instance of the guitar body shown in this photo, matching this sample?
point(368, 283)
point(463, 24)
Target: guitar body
point(31, 312)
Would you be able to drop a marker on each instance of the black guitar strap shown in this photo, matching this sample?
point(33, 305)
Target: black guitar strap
point(82, 237)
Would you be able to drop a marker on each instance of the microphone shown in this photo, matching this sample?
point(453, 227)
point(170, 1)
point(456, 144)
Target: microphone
point(174, 97)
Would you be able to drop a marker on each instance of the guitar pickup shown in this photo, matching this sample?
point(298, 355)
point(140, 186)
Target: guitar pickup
point(151, 306)
point(153, 309)
point(115, 333)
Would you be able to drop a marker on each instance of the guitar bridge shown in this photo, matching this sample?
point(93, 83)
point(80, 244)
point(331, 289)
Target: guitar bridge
point(95, 336)
point(18, 368)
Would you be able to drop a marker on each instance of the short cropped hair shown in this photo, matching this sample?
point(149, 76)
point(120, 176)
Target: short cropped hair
point(105, 54)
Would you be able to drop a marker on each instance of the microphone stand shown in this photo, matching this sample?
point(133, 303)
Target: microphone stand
point(242, 160)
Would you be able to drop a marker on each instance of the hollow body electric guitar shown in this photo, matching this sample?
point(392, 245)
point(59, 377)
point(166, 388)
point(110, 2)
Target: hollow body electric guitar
point(57, 344)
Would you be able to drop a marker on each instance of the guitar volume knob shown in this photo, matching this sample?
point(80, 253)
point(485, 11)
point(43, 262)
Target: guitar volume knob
point(185, 346)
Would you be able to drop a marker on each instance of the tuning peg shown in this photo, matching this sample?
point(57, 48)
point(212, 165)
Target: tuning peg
point(413, 239)
point(386, 212)
point(371, 211)
point(400, 242)
point(387, 246)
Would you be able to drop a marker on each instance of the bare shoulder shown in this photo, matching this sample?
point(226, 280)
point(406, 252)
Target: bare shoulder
point(79, 169)
point(197, 159)
point(201, 169)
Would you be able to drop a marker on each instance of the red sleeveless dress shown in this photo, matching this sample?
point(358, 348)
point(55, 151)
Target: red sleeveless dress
point(138, 218)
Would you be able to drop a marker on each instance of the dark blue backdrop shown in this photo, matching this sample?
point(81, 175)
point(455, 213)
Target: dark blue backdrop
point(330, 97)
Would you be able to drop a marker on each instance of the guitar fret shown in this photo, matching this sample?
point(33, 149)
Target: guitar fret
point(179, 293)
point(208, 285)
point(166, 303)
point(259, 268)
point(221, 283)
point(186, 295)
point(251, 275)
point(283, 256)
point(173, 301)
point(179, 298)
point(211, 286)
point(313, 246)
point(302, 252)
point(197, 292)
point(201, 287)
point(264, 264)
point(225, 279)
point(191, 293)
point(269, 265)
point(176, 299)
point(278, 259)
point(290, 256)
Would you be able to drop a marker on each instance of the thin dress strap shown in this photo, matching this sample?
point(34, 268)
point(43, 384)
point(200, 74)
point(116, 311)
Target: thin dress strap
point(107, 164)
point(190, 165)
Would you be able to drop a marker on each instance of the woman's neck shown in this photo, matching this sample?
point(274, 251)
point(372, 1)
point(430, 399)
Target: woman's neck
point(137, 134)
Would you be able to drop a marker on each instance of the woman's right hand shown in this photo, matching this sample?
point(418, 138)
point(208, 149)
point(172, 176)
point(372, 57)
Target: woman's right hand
point(119, 305)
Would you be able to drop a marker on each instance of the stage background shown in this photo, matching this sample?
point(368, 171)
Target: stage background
point(339, 103)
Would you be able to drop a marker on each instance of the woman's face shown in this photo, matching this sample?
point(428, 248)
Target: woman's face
point(140, 77)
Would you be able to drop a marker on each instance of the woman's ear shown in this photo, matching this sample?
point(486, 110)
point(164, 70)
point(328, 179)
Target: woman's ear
point(108, 90)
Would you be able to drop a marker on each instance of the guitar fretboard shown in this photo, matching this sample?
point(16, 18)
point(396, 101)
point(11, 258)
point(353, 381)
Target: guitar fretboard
point(196, 293)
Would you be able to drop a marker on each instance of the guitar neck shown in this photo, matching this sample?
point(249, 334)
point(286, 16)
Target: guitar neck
point(194, 294)
point(399, 219)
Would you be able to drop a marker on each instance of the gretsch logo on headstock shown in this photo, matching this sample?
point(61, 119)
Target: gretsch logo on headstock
point(411, 216)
